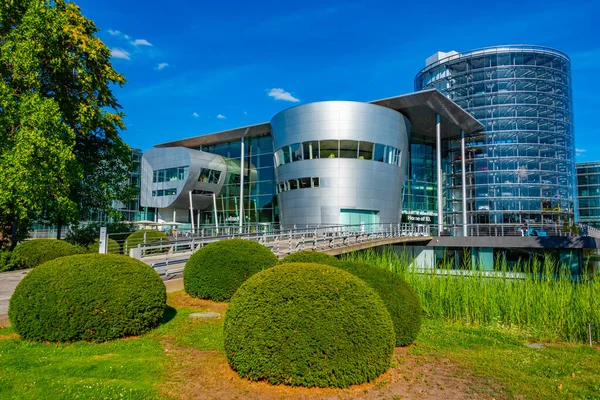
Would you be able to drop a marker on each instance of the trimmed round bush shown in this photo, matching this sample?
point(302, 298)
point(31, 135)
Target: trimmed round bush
point(217, 270)
point(113, 246)
point(152, 236)
point(399, 297)
point(310, 257)
point(31, 253)
point(93, 297)
point(308, 325)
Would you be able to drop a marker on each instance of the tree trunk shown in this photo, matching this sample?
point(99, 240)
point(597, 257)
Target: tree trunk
point(58, 228)
point(14, 230)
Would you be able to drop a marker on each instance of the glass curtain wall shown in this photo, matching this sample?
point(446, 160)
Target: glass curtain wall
point(521, 168)
point(420, 189)
point(260, 201)
point(588, 186)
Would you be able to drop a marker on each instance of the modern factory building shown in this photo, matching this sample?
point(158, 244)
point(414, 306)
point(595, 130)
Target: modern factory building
point(325, 163)
point(588, 186)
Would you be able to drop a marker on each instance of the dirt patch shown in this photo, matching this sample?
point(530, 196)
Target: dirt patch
point(182, 300)
point(196, 374)
point(9, 337)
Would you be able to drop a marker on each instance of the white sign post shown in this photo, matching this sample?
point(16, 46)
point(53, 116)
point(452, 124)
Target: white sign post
point(103, 240)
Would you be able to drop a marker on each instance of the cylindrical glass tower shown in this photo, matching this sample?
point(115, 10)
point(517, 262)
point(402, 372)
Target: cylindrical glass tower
point(521, 169)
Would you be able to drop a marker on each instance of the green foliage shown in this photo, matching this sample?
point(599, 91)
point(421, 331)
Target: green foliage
point(93, 297)
point(217, 270)
point(60, 150)
point(310, 257)
point(113, 247)
point(32, 253)
point(86, 234)
point(308, 325)
point(151, 236)
point(399, 297)
point(5, 260)
point(543, 300)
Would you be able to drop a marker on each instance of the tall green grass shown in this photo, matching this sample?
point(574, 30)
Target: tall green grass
point(544, 300)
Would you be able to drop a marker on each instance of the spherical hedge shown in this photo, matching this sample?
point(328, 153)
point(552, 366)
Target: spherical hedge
point(113, 247)
point(308, 325)
point(93, 297)
point(399, 297)
point(152, 236)
point(31, 253)
point(310, 257)
point(218, 269)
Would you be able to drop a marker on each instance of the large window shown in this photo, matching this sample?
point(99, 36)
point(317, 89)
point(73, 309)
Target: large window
point(338, 149)
point(164, 192)
point(170, 174)
point(209, 176)
point(300, 183)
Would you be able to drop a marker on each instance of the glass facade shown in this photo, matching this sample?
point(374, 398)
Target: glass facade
point(588, 187)
point(521, 168)
point(260, 200)
point(420, 188)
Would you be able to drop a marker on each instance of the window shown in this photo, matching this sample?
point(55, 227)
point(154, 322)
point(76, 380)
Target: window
point(293, 184)
point(209, 176)
point(304, 183)
point(287, 156)
point(300, 183)
point(379, 154)
point(348, 149)
point(329, 148)
point(170, 174)
point(311, 150)
point(315, 182)
point(165, 192)
point(365, 151)
point(296, 152)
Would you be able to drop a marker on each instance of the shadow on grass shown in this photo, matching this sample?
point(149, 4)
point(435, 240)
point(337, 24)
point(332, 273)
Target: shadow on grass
point(168, 315)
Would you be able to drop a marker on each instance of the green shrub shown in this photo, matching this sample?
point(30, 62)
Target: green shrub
point(94, 297)
point(152, 236)
point(308, 325)
point(217, 270)
point(85, 234)
point(113, 247)
point(5, 260)
point(310, 257)
point(31, 253)
point(399, 297)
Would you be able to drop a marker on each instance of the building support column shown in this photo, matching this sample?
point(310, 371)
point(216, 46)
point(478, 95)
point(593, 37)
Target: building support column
point(438, 151)
point(243, 155)
point(463, 176)
point(215, 210)
point(191, 213)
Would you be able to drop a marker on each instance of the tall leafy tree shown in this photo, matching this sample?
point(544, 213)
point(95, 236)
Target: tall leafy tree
point(52, 62)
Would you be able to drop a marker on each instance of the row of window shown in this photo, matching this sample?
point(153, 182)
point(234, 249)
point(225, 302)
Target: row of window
point(170, 174)
point(209, 176)
point(300, 183)
point(338, 149)
point(164, 192)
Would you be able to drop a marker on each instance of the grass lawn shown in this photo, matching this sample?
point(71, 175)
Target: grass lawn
point(184, 358)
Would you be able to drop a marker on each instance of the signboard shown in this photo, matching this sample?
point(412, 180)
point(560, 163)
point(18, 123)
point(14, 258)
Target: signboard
point(423, 217)
point(103, 240)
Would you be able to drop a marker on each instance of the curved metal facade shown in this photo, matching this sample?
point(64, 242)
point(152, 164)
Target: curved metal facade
point(339, 162)
point(521, 168)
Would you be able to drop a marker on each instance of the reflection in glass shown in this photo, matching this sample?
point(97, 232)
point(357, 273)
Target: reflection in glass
point(329, 148)
point(365, 151)
point(348, 149)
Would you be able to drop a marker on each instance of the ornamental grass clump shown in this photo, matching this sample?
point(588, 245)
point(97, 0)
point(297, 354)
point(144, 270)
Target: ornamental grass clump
point(31, 253)
point(309, 256)
point(217, 270)
point(399, 297)
point(308, 325)
point(92, 297)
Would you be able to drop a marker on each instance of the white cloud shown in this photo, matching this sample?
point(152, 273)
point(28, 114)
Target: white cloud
point(280, 94)
point(245, 113)
point(141, 42)
point(221, 116)
point(195, 115)
point(127, 37)
point(579, 151)
point(113, 32)
point(120, 53)
point(162, 66)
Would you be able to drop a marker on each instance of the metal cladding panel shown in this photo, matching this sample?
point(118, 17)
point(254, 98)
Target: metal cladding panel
point(171, 157)
point(344, 183)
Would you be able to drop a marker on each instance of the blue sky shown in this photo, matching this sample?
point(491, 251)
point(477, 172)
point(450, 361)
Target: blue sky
point(200, 67)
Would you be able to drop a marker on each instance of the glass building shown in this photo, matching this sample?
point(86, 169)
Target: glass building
point(521, 168)
point(588, 187)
